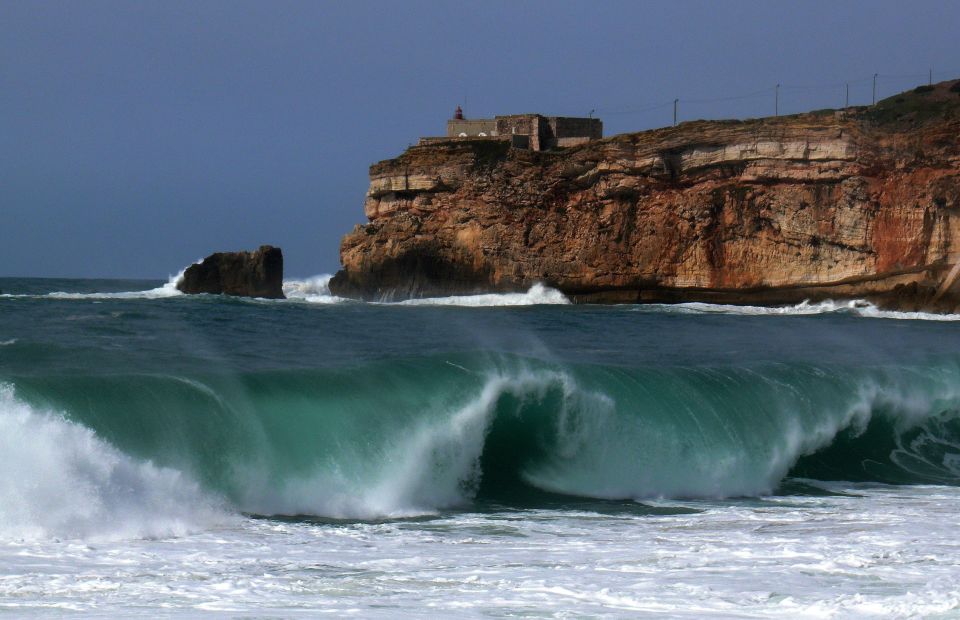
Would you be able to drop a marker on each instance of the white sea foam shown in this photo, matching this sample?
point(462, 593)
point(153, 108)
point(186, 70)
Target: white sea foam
point(6, 343)
point(59, 480)
point(856, 307)
point(883, 552)
point(537, 295)
point(169, 289)
point(876, 550)
point(315, 290)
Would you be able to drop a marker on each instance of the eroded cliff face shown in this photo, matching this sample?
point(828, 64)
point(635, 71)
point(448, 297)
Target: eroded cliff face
point(862, 203)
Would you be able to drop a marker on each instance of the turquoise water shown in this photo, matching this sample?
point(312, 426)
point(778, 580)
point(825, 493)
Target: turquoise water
point(130, 413)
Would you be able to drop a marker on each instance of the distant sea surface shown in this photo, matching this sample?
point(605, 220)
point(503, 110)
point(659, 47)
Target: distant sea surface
point(164, 455)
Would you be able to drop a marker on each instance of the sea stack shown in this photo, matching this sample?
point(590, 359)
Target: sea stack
point(244, 274)
point(862, 202)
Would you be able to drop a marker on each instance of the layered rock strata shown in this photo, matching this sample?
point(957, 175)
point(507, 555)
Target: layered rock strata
point(860, 203)
point(245, 274)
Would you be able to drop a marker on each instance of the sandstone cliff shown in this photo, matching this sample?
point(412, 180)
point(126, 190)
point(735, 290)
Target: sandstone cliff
point(246, 274)
point(835, 204)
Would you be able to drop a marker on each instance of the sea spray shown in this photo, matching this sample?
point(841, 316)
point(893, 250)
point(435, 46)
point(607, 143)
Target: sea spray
point(434, 433)
point(433, 464)
point(168, 289)
point(316, 290)
point(538, 294)
point(61, 480)
point(853, 307)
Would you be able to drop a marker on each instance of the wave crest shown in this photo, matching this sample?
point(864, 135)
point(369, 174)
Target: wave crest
point(853, 307)
point(315, 289)
point(537, 295)
point(427, 434)
point(61, 480)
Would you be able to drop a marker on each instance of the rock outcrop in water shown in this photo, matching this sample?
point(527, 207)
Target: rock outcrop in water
point(863, 202)
point(246, 274)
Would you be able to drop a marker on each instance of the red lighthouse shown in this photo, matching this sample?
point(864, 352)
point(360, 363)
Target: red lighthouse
point(458, 115)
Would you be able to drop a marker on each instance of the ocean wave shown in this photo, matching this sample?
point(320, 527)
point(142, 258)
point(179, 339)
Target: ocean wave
point(61, 480)
point(428, 434)
point(315, 290)
point(855, 307)
point(169, 289)
point(537, 295)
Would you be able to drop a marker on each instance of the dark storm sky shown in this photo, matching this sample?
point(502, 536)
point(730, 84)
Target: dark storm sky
point(138, 136)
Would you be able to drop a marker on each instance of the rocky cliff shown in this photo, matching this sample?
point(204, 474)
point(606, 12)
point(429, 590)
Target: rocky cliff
point(863, 202)
point(246, 274)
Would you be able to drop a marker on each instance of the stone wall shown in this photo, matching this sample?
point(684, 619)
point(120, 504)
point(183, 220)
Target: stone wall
point(547, 132)
point(573, 127)
point(527, 131)
point(518, 124)
point(518, 141)
point(522, 143)
point(471, 127)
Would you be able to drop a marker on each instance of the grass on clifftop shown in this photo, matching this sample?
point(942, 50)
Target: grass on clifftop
point(918, 106)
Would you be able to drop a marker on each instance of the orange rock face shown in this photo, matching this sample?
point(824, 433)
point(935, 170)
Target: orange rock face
point(860, 203)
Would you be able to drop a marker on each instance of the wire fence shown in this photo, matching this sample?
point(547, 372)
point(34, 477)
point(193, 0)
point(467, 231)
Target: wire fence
point(782, 98)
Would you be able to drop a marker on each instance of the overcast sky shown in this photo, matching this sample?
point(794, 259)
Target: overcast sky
point(138, 136)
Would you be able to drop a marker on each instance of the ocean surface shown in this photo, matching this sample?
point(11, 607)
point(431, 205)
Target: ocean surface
point(164, 455)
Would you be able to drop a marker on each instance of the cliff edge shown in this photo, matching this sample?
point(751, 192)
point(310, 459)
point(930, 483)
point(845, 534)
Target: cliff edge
point(858, 203)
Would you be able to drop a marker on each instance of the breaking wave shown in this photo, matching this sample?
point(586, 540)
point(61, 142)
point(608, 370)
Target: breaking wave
point(855, 307)
point(313, 290)
point(61, 480)
point(317, 290)
point(428, 434)
point(168, 289)
point(537, 295)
